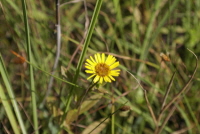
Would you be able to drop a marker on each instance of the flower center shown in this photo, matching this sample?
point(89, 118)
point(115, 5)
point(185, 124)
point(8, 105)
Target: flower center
point(102, 69)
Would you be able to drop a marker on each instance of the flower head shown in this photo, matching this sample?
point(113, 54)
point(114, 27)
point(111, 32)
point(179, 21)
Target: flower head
point(102, 68)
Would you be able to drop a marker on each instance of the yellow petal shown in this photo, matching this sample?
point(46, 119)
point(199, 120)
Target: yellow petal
point(114, 65)
point(101, 80)
point(113, 59)
point(107, 79)
point(110, 60)
point(114, 73)
point(111, 78)
point(103, 57)
point(92, 59)
point(91, 76)
point(90, 62)
point(96, 59)
point(96, 79)
point(89, 71)
point(89, 67)
point(104, 78)
point(99, 58)
point(87, 64)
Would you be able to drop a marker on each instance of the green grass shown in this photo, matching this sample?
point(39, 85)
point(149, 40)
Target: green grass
point(163, 96)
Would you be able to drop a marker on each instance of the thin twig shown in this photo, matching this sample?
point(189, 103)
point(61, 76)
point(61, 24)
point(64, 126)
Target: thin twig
point(28, 117)
point(107, 118)
point(70, 2)
point(177, 98)
point(85, 94)
point(84, 35)
point(147, 101)
point(159, 130)
point(168, 90)
point(183, 131)
point(82, 41)
point(150, 108)
point(5, 128)
point(116, 99)
point(184, 88)
point(57, 48)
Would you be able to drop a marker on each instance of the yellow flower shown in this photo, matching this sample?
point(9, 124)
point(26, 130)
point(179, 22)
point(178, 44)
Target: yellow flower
point(102, 68)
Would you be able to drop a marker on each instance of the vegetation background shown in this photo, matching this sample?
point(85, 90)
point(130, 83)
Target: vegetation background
point(149, 38)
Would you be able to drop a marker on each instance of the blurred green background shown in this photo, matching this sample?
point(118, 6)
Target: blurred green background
point(136, 32)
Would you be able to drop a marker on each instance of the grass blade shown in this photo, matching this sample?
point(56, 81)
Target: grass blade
point(9, 111)
point(85, 47)
point(32, 83)
point(11, 94)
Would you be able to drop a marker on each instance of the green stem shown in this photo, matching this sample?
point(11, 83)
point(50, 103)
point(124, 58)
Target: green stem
point(113, 120)
point(33, 92)
point(9, 112)
point(53, 75)
point(149, 38)
point(11, 94)
point(148, 34)
point(85, 47)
